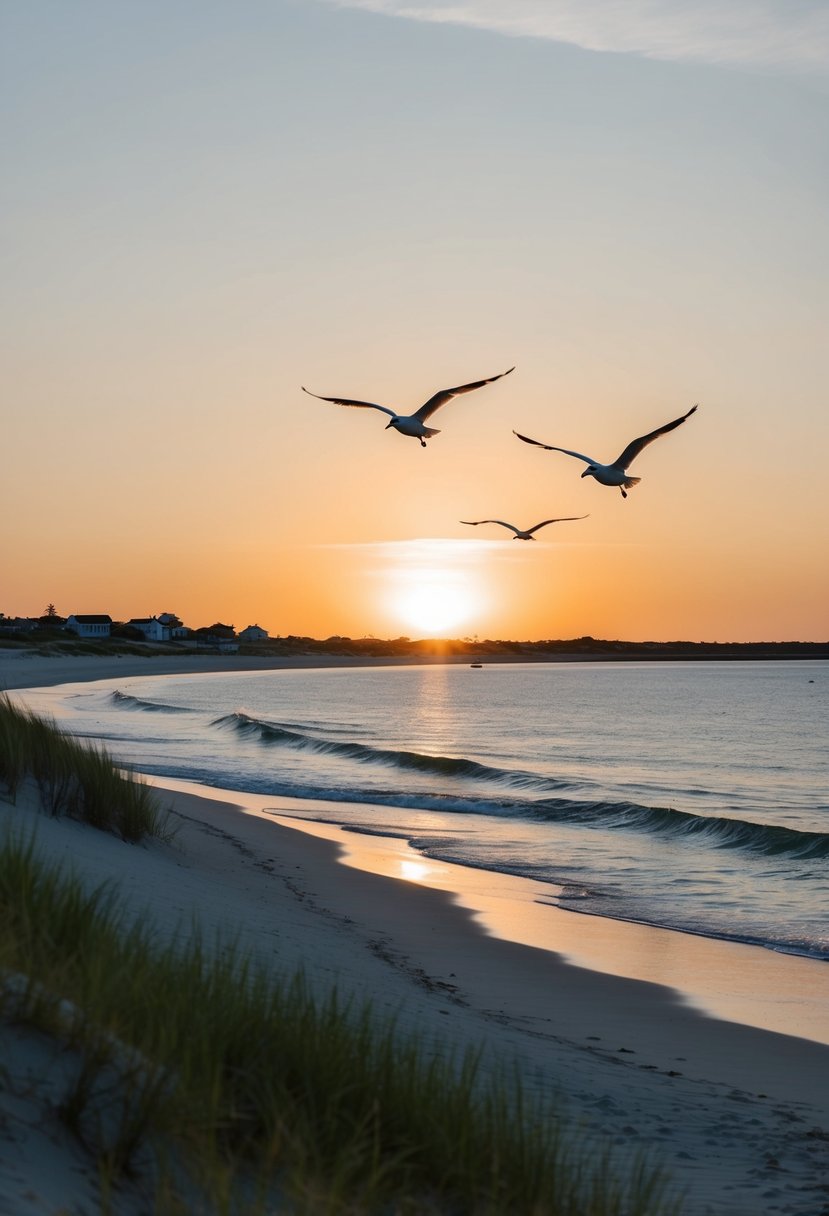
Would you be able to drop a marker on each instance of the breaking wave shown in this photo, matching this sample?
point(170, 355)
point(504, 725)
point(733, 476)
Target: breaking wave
point(723, 832)
point(444, 766)
point(720, 832)
point(125, 700)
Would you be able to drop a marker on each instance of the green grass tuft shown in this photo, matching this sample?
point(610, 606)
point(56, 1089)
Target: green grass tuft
point(74, 778)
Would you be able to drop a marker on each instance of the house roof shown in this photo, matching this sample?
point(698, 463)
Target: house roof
point(87, 619)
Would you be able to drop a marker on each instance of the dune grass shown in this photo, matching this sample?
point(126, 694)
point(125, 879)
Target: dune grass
point(228, 1091)
point(74, 778)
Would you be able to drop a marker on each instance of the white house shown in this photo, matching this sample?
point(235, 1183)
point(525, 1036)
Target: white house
point(151, 627)
point(86, 626)
point(173, 625)
point(253, 633)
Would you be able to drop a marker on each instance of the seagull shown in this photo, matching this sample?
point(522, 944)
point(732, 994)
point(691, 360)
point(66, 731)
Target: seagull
point(615, 474)
point(520, 534)
point(412, 424)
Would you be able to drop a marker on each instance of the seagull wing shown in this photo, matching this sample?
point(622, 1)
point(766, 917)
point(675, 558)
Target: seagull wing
point(365, 405)
point(561, 520)
point(446, 394)
point(548, 447)
point(502, 522)
point(635, 447)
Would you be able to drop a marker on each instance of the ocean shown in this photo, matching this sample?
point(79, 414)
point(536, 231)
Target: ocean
point(692, 796)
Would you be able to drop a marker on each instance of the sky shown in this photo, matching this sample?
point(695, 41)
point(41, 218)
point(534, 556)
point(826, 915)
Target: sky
point(207, 206)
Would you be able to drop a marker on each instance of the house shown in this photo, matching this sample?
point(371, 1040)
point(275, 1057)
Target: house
point(253, 633)
point(151, 627)
point(208, 641)
point(173, 625)
point(159, 628)
point(225, 646)
point(86, 626)
point(217, 636)
point(17, 624)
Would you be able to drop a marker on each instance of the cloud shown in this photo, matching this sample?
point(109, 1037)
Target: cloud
point(422, 552)
point(792, 34)
point(443, 554)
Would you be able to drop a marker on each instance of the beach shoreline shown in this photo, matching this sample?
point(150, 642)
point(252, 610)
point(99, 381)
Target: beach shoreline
point(636, 1065)
point(26, 669)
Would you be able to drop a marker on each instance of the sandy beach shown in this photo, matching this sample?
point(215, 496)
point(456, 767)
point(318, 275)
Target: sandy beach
point(600, 1015)
point(25, 669)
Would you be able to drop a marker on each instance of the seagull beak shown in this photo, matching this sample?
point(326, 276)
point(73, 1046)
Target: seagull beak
point(388, 424)
point(586, 473)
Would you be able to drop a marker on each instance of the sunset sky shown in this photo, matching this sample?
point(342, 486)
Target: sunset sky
point(209, 205)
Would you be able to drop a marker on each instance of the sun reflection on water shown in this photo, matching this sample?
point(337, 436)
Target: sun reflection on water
point(414, 871)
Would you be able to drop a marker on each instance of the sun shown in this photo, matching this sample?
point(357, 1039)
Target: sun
point(433, 604)
point(431, 586)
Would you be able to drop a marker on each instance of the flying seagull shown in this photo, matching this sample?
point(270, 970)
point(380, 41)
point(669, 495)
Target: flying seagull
point(412, 424)
point(520, 534)
point(615, 474)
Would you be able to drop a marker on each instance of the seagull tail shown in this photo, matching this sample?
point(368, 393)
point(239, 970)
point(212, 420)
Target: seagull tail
point(429, 431)
point(629, 482)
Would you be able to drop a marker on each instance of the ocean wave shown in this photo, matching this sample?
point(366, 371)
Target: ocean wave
point(770, 840)
point(125, 700)
point(720, 832)
point(442, 766)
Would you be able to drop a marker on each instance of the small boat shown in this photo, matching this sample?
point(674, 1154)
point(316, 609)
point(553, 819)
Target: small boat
point(476, 664)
